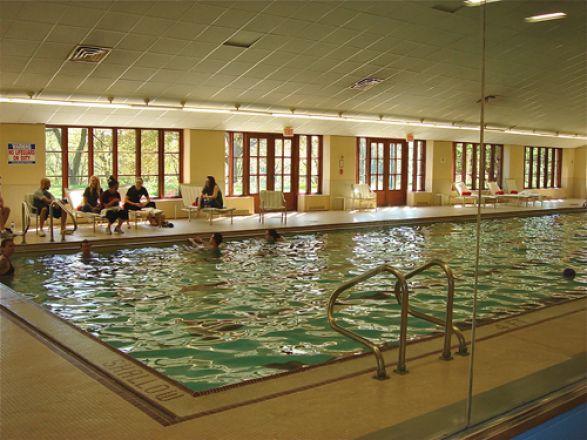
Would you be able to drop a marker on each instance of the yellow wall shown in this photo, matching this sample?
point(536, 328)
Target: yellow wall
point(18, 180)
point(204, 156)
point(578, 182)
point(513, 167)
point(337, 149)
point(439, 165)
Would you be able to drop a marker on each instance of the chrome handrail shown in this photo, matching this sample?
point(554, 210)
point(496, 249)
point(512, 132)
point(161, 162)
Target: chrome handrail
point(402, 287)
point(26, 220)
point(449, 328)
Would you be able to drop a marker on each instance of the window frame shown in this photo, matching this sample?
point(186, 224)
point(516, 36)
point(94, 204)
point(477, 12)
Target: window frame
point(495, 172)
point(161, 152)
point(295, 158)
point(542, 167)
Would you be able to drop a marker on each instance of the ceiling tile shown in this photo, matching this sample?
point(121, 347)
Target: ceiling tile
point(169, 46)
point(152, 26)
point(24, 48)
point(103, 38)
point(117, 21)
point(185, 31)
point(154, 60)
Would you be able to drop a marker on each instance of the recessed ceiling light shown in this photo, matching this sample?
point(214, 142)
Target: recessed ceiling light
point(366, 83)
point(243, 39)
point(478, 2)
point(545, 17)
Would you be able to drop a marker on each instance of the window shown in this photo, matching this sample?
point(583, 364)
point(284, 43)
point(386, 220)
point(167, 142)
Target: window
point(542, 167)
point(467, 163)
point(417, 165)
point(53, 160)
point(370, 163)
point(310, 164)
point(259, 161)
point(75, 153)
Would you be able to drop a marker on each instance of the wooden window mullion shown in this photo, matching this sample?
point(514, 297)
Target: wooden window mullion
point(64, 158)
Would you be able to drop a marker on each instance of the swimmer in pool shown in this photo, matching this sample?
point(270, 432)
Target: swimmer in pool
point(86, 249)
point(214, 241)
point(6, 250)
point(272, 236)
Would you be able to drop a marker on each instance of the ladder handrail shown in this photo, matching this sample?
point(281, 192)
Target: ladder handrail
point(449, 328)
point(401, 284)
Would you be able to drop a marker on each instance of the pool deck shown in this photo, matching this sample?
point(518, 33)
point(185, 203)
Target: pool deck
point(296, 222)
point(58, 383)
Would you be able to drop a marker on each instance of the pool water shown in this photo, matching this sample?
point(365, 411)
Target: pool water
point(210, 319)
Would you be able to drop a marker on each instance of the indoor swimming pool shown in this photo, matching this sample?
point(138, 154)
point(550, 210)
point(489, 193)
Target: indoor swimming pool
point(209, 319)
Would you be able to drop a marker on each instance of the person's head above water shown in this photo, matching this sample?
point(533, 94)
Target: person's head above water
point(569, 273)
point(216, 239)
point(86, 248)
point(7, 246)
point(272, 236)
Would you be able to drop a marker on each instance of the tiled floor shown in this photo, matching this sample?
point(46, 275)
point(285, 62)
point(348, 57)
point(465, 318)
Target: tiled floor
point(296, 221)
point(56, 383)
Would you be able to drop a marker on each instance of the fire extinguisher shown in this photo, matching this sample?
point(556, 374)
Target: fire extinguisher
point(341, 165)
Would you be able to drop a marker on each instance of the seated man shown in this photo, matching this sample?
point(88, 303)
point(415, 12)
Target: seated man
point(133, 202)
point(42, 200)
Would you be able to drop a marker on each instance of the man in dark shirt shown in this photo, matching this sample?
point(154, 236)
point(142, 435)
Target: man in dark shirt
point(133, 201)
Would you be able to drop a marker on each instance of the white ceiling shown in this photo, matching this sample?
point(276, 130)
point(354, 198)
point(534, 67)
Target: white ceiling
point(307, 55)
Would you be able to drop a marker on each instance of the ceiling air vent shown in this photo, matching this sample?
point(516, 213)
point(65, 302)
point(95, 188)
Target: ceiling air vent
point(89, 54)
point(365, 83)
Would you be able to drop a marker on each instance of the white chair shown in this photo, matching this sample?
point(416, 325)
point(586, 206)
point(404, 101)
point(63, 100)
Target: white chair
point(189, 194)
point(534, 196)
point(464, 193)
point(272, 201)
point(75, 199)
point(361, 193)
point(32, 210)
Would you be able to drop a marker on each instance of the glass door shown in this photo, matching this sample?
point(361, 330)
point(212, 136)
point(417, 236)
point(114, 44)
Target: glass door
point(388, 170)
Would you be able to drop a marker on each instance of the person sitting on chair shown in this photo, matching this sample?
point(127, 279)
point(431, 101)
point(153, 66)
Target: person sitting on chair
point(42, 200)
point(133, 202)
point(4, 212)
point(211, 196)
point(111, 199)
point(91, 197)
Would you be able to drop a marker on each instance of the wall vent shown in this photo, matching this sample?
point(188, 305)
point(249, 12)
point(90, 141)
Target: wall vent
point(366, 83)
point(89, 54)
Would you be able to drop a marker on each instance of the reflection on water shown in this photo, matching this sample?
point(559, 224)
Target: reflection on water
point(208, 320)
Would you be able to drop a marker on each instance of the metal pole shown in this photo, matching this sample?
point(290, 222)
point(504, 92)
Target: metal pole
point(24, 221)
point(51, 223)
point(469, 408)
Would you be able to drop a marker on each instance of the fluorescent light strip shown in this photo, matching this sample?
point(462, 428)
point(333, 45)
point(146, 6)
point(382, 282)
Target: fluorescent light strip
point(340, 118)
point(478, 2)
point(545, 17)
point(66, 103)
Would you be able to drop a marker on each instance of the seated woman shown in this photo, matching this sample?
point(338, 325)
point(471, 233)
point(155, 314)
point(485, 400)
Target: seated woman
point(211, 196)
point(91, 197)
point(133, 202)
point(111, 199)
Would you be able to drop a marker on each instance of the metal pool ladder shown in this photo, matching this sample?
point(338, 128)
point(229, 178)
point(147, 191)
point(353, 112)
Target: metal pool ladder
point(402, 295)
